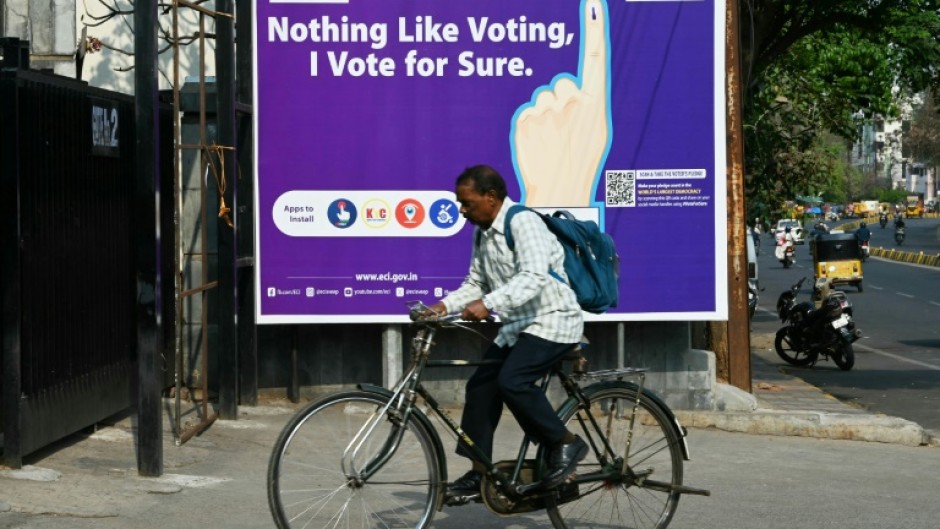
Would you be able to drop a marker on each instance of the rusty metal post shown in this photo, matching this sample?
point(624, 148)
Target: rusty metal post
point(739, 346)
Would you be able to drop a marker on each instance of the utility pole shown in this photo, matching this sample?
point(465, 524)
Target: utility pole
point(147, 239)
point(738, 335)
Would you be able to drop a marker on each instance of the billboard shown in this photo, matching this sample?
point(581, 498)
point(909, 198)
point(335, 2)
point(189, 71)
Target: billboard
point(367, 110)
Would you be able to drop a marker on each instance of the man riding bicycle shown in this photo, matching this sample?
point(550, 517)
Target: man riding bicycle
point(541, 322)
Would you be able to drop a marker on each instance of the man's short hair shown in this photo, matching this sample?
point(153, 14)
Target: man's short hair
point(484, 179)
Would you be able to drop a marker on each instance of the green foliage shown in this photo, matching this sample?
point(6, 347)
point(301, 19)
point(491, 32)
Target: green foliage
point(892, 196)
point(809, 66)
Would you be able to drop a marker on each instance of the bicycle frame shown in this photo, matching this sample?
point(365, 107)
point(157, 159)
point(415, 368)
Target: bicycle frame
point(404, 394)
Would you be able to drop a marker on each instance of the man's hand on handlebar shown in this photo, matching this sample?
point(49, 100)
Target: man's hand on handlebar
point(475, 311)
point(421, 311)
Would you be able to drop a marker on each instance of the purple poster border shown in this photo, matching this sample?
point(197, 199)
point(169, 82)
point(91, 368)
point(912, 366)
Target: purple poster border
point(367, 110)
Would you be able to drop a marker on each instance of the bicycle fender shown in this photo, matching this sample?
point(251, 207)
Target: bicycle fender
point(419, 416)
point(572, 403)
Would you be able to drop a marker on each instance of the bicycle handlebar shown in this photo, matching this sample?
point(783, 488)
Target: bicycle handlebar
point(418, 312)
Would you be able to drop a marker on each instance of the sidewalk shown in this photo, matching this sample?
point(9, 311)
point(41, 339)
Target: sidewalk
point(787, 405)
point(218, 479)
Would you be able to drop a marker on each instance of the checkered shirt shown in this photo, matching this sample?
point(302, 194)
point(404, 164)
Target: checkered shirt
point(524, 295)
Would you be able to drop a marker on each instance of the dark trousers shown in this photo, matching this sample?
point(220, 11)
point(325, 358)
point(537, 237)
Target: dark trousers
point(514, 383)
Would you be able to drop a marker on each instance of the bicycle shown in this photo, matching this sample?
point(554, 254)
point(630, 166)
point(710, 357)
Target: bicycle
point(383, 463)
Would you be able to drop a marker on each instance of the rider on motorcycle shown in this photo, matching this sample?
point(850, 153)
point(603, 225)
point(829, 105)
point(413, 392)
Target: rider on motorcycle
point(899, 229)
point(863, 234)
point(785, 243)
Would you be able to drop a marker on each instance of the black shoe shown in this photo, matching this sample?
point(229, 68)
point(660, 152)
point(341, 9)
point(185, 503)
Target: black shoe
point(465, 489)
point(562, 460)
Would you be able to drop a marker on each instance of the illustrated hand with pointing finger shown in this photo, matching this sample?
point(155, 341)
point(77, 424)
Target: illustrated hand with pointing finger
point(560, 139)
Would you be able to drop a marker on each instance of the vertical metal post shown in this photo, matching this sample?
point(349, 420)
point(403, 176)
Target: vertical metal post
point(244, 210)
point(10, 282)
point(147, 237)
point(225, 98)
point(293, 386)
point(739, 346)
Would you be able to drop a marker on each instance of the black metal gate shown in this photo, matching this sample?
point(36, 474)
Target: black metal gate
point(66, 257)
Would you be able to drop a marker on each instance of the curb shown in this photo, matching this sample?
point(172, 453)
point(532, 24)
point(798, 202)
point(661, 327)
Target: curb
point(892, 254)
point(853, 427)
point(906, 257)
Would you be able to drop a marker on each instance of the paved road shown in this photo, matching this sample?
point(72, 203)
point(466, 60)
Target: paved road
point(897, 369)
point(218, 480)
point(923, 235)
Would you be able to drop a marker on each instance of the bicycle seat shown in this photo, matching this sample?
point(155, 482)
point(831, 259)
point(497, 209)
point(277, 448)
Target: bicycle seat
point(576, 355)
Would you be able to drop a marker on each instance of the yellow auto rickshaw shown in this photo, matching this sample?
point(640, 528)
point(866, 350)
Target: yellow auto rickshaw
point(838, 258)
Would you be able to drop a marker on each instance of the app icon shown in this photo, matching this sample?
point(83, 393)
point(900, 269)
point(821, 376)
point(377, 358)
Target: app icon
point(272, 292)
point(342, 213)
point(409, 213)
point(310, 292)
point(375, 213)
point(438, 292)
point(444, 213)
point(347, 292)
point(400, 292)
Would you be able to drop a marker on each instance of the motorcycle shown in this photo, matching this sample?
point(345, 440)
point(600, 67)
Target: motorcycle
point(865, 251)
point(785, 252)
point(823, 328)
point(883, 220)
point(752, 297)
point(899, 235)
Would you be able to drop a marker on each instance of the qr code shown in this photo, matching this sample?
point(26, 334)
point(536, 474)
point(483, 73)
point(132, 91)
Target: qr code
point(621, 188)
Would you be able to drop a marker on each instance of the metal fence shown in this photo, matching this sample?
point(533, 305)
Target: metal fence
point(66, 273)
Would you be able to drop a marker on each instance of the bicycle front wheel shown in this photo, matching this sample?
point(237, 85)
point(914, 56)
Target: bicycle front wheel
point(308, 486)
point(639, 494)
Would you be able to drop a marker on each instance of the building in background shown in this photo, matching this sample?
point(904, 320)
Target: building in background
point(94, 41)
point(881, 153)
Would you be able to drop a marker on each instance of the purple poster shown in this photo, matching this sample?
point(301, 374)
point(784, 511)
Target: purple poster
point(367, 110)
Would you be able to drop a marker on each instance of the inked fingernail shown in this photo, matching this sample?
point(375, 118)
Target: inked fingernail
point(593, 13)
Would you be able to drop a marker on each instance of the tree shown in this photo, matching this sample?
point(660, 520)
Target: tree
point(111, 22)
point(809, 66)
point(923, 138)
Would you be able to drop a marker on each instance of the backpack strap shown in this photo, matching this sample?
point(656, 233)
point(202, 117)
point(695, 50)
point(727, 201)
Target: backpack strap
point(510, 242)
point(509, 215)
point(506, 231)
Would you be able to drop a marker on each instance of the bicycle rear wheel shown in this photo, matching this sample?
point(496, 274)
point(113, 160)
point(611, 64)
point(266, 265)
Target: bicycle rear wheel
point(642, 497)
point(307, 486)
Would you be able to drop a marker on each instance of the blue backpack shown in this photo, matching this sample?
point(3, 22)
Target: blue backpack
point(591, 261)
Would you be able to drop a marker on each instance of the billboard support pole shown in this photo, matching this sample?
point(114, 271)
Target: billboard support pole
point(392, 359)
point(739, 347)
point(147, 238)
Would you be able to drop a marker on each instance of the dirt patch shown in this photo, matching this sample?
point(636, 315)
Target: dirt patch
point(763, 341)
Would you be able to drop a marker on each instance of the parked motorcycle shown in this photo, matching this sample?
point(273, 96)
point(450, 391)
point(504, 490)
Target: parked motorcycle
point(899, 235)
point(785, 252)
point(752, 297)
point(810, 331)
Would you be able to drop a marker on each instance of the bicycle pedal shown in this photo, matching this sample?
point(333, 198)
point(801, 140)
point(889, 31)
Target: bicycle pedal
point(463, 499)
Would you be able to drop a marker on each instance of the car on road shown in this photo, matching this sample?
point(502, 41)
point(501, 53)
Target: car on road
point(796, 229)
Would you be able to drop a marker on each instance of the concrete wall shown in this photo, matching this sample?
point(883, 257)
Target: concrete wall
point(54, 29)
point(49, 26)
point(334, 357)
